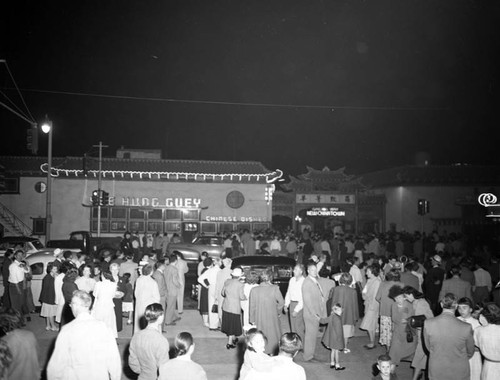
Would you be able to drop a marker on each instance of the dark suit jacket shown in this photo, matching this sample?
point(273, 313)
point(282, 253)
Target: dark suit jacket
point(460, 288)
point(450, 343)
point(409, 279)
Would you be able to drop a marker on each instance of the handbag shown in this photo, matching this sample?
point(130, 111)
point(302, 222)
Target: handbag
point(417, 321)
point(215, 308)
point(409, 334)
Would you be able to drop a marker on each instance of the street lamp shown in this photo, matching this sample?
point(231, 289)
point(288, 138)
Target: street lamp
point(47, 129)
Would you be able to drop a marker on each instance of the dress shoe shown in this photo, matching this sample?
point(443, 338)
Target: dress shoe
point(368, 347)
point(229, 346)
point(339, 368)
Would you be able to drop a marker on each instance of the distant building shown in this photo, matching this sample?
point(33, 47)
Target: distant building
point(146, 193)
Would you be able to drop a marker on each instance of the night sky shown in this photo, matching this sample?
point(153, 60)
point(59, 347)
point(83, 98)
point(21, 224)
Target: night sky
point(364, 85)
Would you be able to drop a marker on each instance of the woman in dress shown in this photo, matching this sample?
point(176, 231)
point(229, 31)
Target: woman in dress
point(68, 288)
point(209, 278)
point(420, 307)
point(104, 308)
point(85, 281)
point(146, 293)
point(182, 366)
point(465, 309)
point(391, 278)
point(204, 282)
point(58, 284)
point(48, 298)
point(231, 307)
point(487, 338)
point(370, 320)
point(402, 310)
point(347, 297)
point(251, 281)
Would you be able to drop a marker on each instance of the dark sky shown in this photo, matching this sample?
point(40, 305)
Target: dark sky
point(395, 78)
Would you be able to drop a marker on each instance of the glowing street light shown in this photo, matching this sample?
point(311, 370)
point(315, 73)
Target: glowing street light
point(47, 129)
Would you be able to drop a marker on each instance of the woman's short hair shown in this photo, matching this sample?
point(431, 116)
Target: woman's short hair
point(108, 276)
point(393, 275)
point(414, 292)
point(252, 277)
point(153, 312)
point(114, 265)
point(250, 335)
point(395, 291)
point(491, 312)
point(466, 301)
point(290, 343)
point(71, 274)
point(10, 319)
point(345, 279)
point(183, 341)
point(82, 267)
point(375, 269)
point(147, 269)
point(48, 270)
point(266, 276)
point(208, 262)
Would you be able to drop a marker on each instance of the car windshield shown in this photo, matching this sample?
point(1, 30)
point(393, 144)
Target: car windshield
point(37, 244)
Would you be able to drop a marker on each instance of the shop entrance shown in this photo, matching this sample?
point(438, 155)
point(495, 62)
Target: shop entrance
point(189, 230)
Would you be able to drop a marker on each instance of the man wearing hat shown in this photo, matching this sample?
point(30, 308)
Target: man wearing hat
point(433, 283)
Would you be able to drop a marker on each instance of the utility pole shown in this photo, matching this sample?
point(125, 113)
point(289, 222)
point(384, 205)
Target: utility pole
point(99, 191)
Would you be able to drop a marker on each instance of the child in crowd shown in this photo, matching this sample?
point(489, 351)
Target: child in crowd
point(333, 338)
point(128, 298)
point(385, 366)
point(255, 357)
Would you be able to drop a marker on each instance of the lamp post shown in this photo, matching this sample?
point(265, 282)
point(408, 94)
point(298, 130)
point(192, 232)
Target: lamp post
point(47, 129)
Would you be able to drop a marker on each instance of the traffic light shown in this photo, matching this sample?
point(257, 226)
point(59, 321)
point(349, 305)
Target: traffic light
point(95, 198)
point(105, 198)
point(32, 139)
point(423, 206)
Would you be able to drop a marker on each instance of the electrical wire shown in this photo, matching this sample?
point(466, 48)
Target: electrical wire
point(19, 92)
point(14, 105)
point(17, 113)
point(245, 104)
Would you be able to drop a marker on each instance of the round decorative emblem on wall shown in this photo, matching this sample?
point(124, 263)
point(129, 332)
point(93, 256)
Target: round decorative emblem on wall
point(40, 187)
point(235, 199)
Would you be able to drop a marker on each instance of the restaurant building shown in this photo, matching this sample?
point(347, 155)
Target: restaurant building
point(146, 194)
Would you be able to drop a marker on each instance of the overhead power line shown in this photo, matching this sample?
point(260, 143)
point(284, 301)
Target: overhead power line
point(243, 104)
point(19, 92)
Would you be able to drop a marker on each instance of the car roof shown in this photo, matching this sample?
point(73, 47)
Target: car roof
point(261, 260)
point(41, 255)
point(7, 239)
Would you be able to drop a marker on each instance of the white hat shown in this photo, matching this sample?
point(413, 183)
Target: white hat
point(237, 272)
point(57, 252)
point(437, 258)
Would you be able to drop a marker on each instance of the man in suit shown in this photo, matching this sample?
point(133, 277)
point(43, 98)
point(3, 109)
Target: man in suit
point(408, 278)
point(450, 343)
point(460, 288)
point(433, 283)
point(314, 308)
point(159, 277)
point(173, 287)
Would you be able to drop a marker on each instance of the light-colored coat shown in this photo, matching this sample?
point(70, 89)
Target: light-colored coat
point(233, 294)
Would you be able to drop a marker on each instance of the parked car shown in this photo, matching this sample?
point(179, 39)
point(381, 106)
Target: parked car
point(280, 266)
point(213, 245)
point(84, 241)
point(38, 262)
point(26, 243)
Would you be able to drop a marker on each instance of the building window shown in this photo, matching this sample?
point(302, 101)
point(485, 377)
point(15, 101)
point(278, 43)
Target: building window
point(155, 226)
point(190, 215)
point(156, 214)
point(104, 212)
point(118, 213)
point(136, 226)
point(226, 227)
point(118, 226)
point(11, 186)
point(260, 226)
point(172, 227)
point(209, 228)
point(39, 226)
point(136, 214)
point(104, 226)
point(172, 214)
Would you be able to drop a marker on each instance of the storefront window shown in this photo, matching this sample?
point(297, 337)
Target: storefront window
point(208, 228)
point(136, 226)
point(260, 226)
point(118, 213)
point(156, 214)
point(190, 215)
point(136, 214)
point(191, 227)
point(118, 226)
point(104, 226)
point(172, 226)
point(226, 227)
point(172, 214)
point(155, 227)
point(104, 212)
point(244, 226)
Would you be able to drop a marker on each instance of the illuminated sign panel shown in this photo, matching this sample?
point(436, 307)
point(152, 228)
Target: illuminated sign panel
point(323, 211)
point(326, 198)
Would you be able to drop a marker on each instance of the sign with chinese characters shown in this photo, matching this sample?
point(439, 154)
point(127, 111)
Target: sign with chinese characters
point(323, 211)
point(244, 219)
point(326, 198)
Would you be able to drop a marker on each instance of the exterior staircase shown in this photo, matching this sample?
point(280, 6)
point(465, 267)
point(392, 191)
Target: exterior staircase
point(12, 224)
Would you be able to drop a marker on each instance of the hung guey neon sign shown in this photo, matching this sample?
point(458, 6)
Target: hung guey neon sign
point(158, 202)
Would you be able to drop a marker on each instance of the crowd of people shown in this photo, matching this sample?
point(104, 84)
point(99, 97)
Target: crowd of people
point(429, 300)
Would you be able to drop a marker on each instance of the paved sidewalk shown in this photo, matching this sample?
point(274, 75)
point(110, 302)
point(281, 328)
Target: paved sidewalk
point(223, 364)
